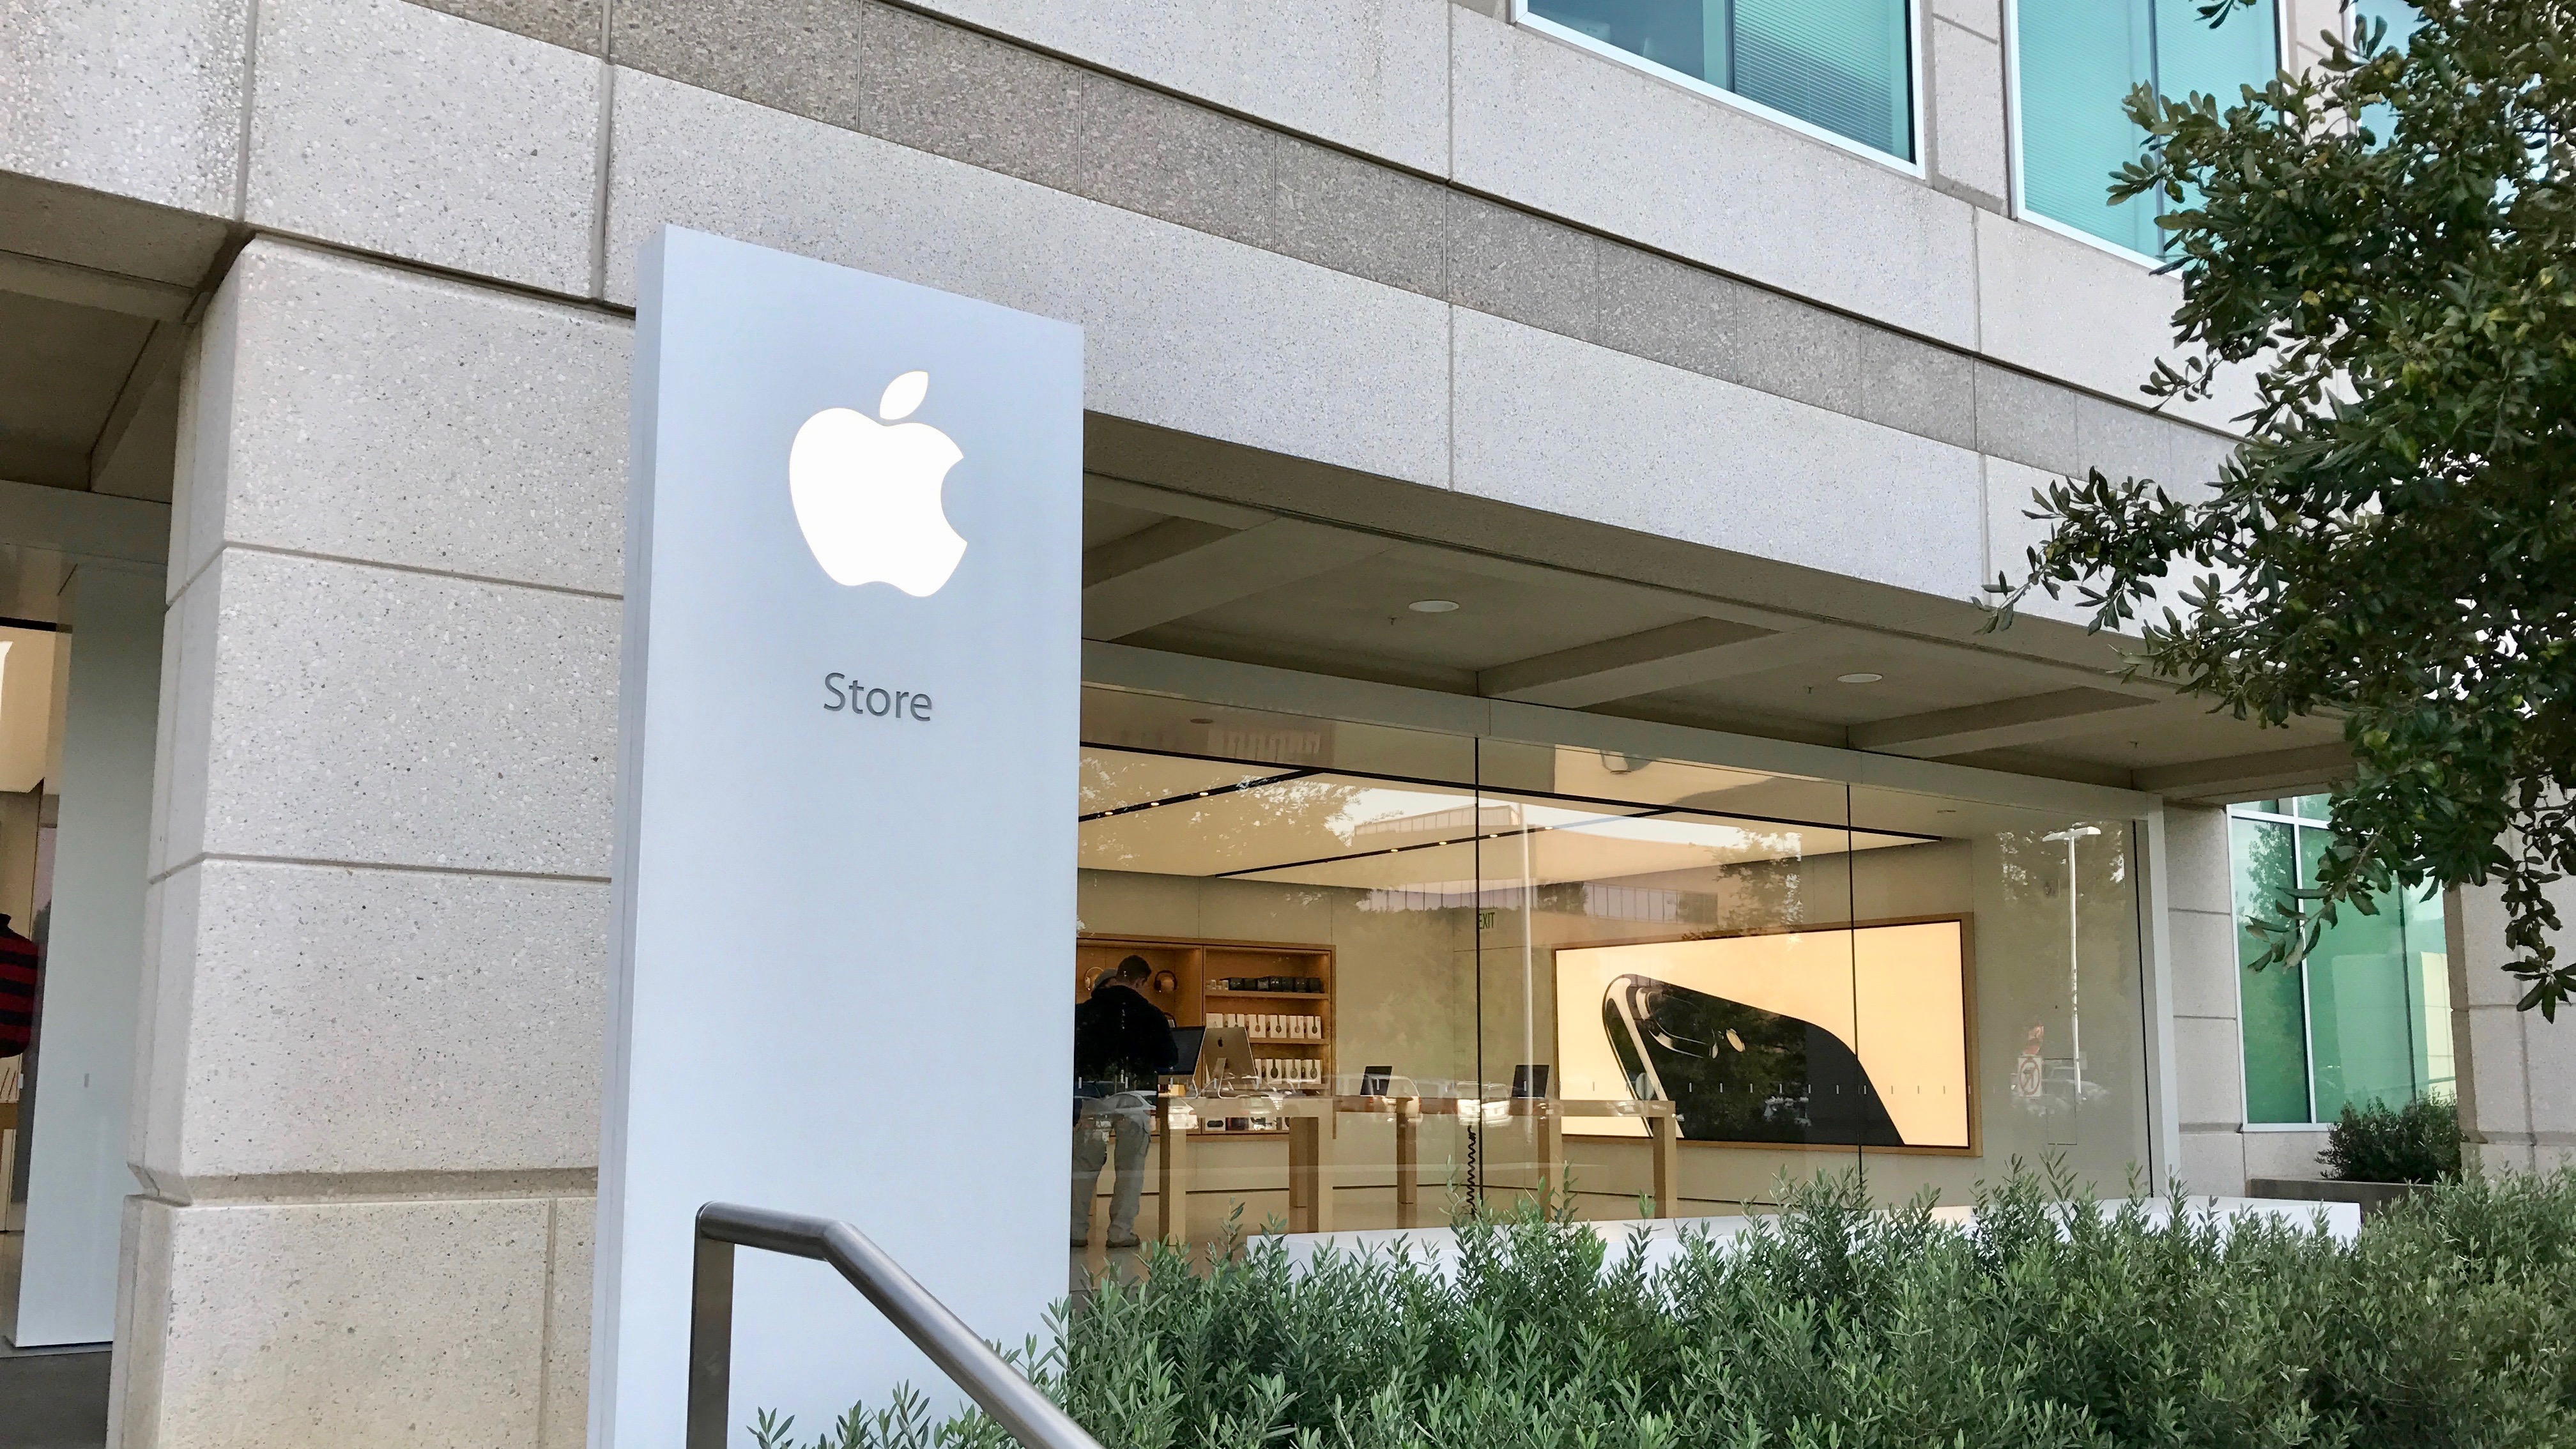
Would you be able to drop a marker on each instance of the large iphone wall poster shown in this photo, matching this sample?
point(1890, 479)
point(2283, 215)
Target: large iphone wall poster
point(1848, 1036)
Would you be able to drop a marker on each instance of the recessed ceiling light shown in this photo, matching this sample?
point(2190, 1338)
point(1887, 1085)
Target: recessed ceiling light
point(1433, 606)
point(1861, 678)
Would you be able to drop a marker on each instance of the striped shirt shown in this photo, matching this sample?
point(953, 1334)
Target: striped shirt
point(17, 991)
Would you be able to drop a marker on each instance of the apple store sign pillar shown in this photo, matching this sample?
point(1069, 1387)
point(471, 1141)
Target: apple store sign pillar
point(845, 859)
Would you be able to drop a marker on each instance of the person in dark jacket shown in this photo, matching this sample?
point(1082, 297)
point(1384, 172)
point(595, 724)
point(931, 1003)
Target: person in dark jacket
point(1121, 1045)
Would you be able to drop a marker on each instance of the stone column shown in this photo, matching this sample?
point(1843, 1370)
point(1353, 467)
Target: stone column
point(2208, 1052)
point(367, 1095)
point(2517, 1069)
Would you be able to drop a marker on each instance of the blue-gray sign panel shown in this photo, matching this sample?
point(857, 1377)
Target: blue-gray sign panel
point(845, 860)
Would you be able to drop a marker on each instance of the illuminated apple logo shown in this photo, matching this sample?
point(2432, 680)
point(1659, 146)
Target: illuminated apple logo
point(867, 493)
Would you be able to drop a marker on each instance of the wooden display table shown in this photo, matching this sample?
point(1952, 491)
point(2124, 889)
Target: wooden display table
point(1310, 1189)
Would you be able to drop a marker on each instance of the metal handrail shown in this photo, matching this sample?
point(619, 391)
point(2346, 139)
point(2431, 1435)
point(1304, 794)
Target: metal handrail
point(968, 1361)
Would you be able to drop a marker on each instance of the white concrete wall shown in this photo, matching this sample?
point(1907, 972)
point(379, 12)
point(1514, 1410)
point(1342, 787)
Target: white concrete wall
point(76, 1171)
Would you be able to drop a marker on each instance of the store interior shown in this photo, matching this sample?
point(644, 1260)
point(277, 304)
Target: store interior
point(1469, 963)
point(31, 666)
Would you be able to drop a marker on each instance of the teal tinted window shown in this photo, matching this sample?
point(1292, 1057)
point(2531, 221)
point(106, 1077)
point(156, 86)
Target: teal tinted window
point(1843, 65)
point(2271, 1003)
point(2362, 1020)
point(2077, 60)
point(2366, 1018)
point(2194, 56)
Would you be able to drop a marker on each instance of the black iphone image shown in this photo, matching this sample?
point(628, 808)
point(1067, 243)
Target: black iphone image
point(1737, 1073)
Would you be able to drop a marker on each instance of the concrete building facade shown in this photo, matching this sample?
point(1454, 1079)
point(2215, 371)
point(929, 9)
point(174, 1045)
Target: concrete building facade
point(1698, 415)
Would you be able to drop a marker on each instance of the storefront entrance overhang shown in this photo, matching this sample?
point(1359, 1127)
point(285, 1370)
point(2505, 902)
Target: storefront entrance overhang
point(1214, 551)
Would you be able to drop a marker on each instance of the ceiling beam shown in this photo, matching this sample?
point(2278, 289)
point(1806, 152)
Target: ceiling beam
point(1691, 652)
point(88, 287)
point(1164, 502)
point(1642, 597)
point(1999, 725)
point(2250, 777)
point(1185, 566)
point(160, 353)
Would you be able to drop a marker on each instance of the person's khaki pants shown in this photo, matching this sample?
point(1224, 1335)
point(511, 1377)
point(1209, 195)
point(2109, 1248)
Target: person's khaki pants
point(1105, 1124)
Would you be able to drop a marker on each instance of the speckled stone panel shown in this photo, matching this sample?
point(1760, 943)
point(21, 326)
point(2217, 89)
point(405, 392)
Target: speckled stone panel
point(384, 415)
point(1367, 74)
point(1577, 135)
point(1552, 423)
point(1967, 111)
point(348, 1323)
point(402, 130)
point(2197, 873)
point(2011, 532)
point(140, 98)
point(359, 714)
point(2212, 1163)
point(377, 1021)
point(573, 24)
point(1181, 329)
point(2065, 309)
point(927, 85)
point(567, 1408)
point(2209, 1074)
point(804, 56)
point(2204, 947)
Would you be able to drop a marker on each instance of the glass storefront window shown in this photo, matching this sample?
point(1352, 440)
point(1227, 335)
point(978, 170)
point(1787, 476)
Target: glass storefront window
point(2050, 902)
point(2366, 1018)
point(2077, 60)
point(1410, 973)
point(1843, 66)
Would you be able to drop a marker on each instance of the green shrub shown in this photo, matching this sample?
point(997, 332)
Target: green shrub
point(2419, 1142)
point(2049, 1324)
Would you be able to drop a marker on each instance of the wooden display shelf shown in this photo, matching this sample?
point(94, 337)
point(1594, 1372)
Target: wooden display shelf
point(1186, 970)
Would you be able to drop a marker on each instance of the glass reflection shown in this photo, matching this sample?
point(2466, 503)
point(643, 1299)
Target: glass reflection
point(1426, 974)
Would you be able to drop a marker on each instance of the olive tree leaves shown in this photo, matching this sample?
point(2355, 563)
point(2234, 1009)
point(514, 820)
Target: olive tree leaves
point(2388, 241)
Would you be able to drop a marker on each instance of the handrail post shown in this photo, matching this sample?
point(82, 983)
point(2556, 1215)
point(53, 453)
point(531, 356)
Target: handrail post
point(1025, 1413)
point(710, 1342)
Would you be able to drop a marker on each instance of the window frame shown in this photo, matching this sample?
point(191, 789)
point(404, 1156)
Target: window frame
point(2015, 170)
point(2307, 1011)
point(2307, 1006)
point(1917, 22)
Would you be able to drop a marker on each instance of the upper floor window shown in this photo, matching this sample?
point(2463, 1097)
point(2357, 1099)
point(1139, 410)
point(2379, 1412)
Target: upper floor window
point(2367, 1017)
point(1844, 67)
point(2075, 62)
